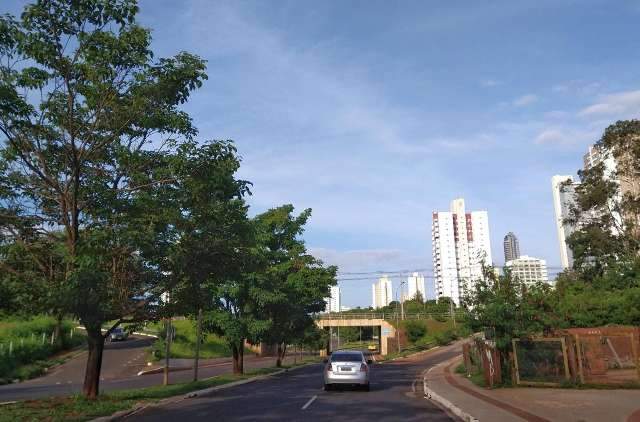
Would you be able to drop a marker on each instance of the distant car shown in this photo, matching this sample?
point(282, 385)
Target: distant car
point(372, 348)
point(118, 334)
point(346, 367)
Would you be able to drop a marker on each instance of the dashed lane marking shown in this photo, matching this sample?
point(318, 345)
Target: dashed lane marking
point(307, 404)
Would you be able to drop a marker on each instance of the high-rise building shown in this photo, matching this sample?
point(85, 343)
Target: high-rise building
point(528, 269)
point(563, 188)
point(511, 247)
point(415, 283)
point(334, 302)
point(461, 245)
point(382, 292)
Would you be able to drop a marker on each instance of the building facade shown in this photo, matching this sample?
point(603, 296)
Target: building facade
point(334, 302)
point(563, 188)
point(529, 269)
point(511, 247)
point(461, 245)
point(382, 293)
point(415, 285)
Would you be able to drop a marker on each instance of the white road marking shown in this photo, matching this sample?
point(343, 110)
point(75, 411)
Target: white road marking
point(307, 404)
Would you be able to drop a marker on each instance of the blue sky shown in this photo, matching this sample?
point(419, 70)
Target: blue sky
point(375, 113)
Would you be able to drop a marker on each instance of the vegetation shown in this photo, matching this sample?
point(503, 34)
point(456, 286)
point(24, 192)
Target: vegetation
point(603, 287)
point(184, 343)
point(111, 209)
point(26, 346)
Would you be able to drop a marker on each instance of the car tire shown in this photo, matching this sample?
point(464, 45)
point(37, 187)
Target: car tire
point(327, 387)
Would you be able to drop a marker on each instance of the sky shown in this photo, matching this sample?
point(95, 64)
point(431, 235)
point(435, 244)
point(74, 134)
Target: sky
point(375, 113)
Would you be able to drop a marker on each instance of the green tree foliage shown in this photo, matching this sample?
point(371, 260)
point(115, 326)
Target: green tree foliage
point(294, 283)
point(606, 213)
point(86, 114)
point(209, 222)
point(505, 308)
point(415, 330)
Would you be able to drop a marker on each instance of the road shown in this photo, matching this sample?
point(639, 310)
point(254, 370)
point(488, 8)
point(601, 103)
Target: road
point(396, 395)
point(121, 363)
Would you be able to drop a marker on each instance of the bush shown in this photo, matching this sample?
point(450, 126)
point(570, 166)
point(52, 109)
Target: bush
point(445, 337)
point(415, 330)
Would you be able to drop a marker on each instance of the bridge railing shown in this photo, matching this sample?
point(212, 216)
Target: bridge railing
point(384, 315)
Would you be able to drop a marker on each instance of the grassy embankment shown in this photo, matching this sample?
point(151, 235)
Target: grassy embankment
point(26, 349)
point(184, 343)
point(422, 334)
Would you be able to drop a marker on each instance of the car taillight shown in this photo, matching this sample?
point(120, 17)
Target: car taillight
point(364, 368)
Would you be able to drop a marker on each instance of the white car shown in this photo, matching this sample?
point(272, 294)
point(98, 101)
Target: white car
point(346, 367)
point(118, 334)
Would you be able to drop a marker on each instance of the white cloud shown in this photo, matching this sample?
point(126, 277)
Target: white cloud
point(557, 114)
point(565, 136)
point(490, 83)
point(623, 104)
point(577, 87)
point(369, 259)
point(525, 100)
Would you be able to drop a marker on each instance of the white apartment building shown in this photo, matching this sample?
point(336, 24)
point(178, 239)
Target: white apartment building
point(563, 198)
point(334, 302)
point(382, 293)
point(415, 284)
point(461, 245)
point(529, 269)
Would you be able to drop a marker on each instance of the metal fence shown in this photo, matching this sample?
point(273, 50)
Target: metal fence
point(541, 361)
point(387, 315)
point(607, 358)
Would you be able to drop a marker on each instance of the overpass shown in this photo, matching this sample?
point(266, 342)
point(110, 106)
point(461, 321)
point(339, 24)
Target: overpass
point(386, 330)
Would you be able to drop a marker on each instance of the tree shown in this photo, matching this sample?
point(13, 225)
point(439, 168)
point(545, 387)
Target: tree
point(209, 224)
point(508, 308)
point(86, 116)
point(606, 212)
point(296, 282)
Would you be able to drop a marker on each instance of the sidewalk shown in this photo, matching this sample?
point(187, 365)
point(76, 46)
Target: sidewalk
point(531, 404)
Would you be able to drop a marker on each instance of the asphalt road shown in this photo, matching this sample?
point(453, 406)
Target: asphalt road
point(121, 362)
point(396, 395)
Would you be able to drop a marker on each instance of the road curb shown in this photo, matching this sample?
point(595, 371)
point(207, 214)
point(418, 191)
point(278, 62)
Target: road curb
point(123, 414)
point(408, 356)
point(429, 394)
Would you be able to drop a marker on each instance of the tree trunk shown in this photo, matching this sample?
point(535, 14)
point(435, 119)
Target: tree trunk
point(198, 340)
point(95, 342)
point(282, 351)
point(242, 356)
point(278, 356)
point(237, 366)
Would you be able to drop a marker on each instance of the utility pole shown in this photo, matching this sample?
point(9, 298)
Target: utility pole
point(401, 301)
point(453, 316)
point(397, 325)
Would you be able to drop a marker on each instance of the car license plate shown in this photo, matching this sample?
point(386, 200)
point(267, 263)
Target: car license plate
point(345, 368)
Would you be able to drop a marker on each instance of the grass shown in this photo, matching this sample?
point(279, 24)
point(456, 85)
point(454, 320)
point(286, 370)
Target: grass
point(77, 408)
point(26, 350)
point(184, 343)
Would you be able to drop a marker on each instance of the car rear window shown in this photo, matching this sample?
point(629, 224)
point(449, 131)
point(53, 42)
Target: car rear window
point(346, 357)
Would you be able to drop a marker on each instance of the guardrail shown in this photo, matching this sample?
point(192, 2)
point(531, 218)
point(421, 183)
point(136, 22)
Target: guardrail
point(385, 315)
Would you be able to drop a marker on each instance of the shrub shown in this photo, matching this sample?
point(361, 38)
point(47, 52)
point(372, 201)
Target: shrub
point(415, 330)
